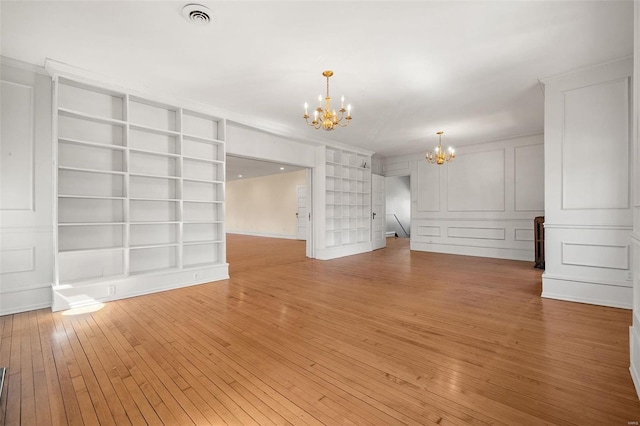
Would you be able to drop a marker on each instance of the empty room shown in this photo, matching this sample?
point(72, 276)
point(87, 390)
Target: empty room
point(319, 213)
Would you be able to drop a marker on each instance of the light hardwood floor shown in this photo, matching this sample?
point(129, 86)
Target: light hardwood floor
point(383, 338)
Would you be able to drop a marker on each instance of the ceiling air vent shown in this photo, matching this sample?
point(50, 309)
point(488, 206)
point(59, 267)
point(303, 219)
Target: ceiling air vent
point(197, 14)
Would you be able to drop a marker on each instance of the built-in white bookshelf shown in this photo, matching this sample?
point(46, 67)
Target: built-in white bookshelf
point(347, 202)
point(140, 192)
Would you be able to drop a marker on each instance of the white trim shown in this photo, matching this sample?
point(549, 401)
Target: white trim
point(56, 68)
point(341, 251)
point(547, 79)
point(634, 342)
point(511, 253)
point(628, 284)
point(26, 299)
point(26, 288)
point(67, 297)
point(263, 234)
point(605, 227)
point(586, 291)
point(26, 66)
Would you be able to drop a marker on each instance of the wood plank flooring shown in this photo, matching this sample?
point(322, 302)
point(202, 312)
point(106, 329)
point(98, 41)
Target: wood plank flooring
point(384, 338)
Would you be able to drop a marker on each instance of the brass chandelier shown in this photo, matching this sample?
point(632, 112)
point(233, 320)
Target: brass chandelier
point(327, 118)
point(439, 156)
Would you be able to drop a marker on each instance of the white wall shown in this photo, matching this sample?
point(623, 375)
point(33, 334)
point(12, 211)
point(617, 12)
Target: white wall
point(588, 215)
point(264, 206)
point(26, 207)
point(481, 204)
point(252, 143)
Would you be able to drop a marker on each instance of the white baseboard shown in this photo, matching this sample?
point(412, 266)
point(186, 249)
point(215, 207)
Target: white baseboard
point(493, 252)
point(27, 299)
point(613, 294)
point(634, 349)
point(342, 251)
point(263, 234)
point(75, 296)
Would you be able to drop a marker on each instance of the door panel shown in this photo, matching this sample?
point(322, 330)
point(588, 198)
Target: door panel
point(378, 236)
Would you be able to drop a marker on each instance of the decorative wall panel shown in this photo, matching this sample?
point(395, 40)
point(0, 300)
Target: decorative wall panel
point(17, 159)
point(428, 231)
point(427, 187)
point(14, 260)
point(596, 122)
point(595, 255)
point(476, 233)
point(476, 182)
point(529, 178)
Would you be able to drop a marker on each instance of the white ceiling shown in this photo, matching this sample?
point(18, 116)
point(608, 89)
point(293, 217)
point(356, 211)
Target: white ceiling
point(409, 68)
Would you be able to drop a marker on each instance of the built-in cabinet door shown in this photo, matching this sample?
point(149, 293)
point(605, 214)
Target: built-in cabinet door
point(378, 237)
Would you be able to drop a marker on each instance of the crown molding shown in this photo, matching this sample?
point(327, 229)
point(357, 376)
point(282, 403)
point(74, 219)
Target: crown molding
point(15, 63)
point(57, 68)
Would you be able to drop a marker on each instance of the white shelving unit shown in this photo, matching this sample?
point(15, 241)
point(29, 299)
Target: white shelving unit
point(347, 200)
point(140, 195)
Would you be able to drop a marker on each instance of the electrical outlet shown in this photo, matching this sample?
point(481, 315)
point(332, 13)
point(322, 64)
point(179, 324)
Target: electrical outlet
point(111, 290)
point(196, 275)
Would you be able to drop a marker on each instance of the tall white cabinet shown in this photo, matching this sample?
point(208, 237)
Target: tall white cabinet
point(345, 194)
point(139, 195)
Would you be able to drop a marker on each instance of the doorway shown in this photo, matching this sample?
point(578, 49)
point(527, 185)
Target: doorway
point(398, 206)
point(267, 200)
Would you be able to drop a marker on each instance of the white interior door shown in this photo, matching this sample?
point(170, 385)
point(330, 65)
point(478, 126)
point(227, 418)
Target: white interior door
point(378, 217)
point(302, 214)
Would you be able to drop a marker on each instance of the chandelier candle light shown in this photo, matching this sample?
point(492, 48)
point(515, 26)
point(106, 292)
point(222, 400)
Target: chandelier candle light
point(327, 118)
point(440, 156)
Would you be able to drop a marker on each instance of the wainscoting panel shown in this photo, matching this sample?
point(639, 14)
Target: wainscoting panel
point(528, 176)
point(18, 259)
point(428, 231)
point(591, 180)
point(476, 182)
point(17, 186)
point(588, 216)
point(596, 255)
point(486, 238)
point(26, 231)
point(481, 204)
point(476, 233)
point(427, 187)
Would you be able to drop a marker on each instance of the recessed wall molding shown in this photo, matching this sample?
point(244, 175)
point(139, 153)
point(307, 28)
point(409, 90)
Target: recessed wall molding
point(476, 182)
point(476, 233)
point(528, 171)
point(427, 187)
point(601, 227)
point(17, 182)
point(473, 206)
point(19, 259)
point(595, 255)
point(473, 219)
point(26, 288)
point(583, 131)
point(428, 231)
